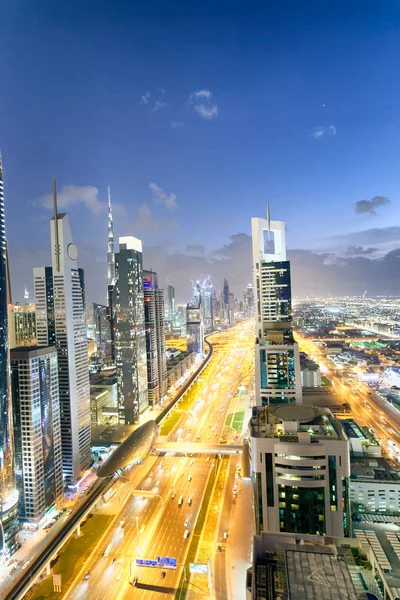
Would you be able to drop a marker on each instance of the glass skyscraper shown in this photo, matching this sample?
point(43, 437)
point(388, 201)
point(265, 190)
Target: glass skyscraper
point(128, 330)
point(8, 492)
point(60, 320)
point(277, 361)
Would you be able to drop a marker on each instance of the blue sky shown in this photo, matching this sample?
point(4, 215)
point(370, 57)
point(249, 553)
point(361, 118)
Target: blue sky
point(221, 106)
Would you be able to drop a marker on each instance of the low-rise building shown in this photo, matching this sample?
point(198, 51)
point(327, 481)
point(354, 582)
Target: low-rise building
point(310, 373)
point(178, 366)
point(300, 567)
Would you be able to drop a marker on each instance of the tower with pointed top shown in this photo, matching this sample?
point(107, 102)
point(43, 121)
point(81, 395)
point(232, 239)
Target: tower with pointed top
point(110, 247)
point(277, 359)
point(60, 321)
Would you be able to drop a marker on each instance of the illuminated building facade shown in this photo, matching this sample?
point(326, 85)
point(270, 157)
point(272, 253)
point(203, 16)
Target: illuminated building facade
point(128, 330)
point(155, 337)
point(8, 493)
point(277, 361)
point(300, 467)
point(37, 431)
point(60, 321)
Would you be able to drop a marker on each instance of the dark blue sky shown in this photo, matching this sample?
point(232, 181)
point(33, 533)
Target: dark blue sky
point(221, 104)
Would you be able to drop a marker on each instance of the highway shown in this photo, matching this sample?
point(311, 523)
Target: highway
point(14, 587)
point(155, 527)
point(367, 407)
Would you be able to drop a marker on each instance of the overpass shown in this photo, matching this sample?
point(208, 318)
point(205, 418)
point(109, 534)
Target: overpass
point(202, 448)
point(49, 552)
point(198, 448)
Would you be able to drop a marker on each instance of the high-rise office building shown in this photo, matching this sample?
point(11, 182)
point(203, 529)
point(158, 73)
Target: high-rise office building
point(248, 298)
point(301, 467)
point(102, 330)
point(60, 321)
point(277, 359)
point(8, 491)
point(155, 337)
point(22, 325)
point(194, 329)
point(37, 431)
point(128, 330)
point(226, 304)
point(110, 246)
point(170, 314)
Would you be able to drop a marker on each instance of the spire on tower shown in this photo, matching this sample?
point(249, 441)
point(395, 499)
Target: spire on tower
point(110, 247)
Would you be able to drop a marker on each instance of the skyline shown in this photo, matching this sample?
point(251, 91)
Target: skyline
point(197, 111)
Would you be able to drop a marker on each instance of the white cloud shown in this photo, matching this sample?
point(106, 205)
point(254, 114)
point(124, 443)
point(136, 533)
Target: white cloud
point(145, 98)
point(145, 222)
point(161, 197)
point(177, 124)
point(71, 195)
point(201, 100)
point(200, 94)
point(157, 105)
point(207, 112)
point(318, 132)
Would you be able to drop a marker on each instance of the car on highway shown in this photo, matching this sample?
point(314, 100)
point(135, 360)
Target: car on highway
point(186, 534)
point(173, 495)
point(135, 581)
point(163, 574)
point(87, 575)
point(190, 501)
point(225, 535)
point(180, 501)
point(190, 478)
point(186, 522)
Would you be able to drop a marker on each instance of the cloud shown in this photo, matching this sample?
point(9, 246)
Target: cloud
point(161, 197)
point(177, 124)
point(370, 206)
point(145, 99)
point(118, 209)
point(207, 112)
point(195, 249)
point(359, 251)
point(319, 132)
point(145, 221)
point(200, 95)
point(157, 105)
point(201, 100)
point(71, 195)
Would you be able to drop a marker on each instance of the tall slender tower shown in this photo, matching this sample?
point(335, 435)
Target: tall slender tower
point(8, 493)
point(60, 302)
point(110, 247)
point(277, 360)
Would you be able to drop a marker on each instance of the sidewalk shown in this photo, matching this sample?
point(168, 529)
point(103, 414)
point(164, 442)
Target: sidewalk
point(239, 542)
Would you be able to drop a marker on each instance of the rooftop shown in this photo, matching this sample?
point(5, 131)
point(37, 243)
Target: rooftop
point(295, 423)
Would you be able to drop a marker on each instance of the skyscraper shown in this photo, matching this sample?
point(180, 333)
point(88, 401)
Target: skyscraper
point(226, 304)
point(277, 361)
point(194, 329)
point(155, 336)
point(128, 330)
point(102, 329)
point(37, 432)
point(248, 296)
point(171, 301)
point(22, 325)
point(110, 247)
point(61, 314)
point(8, 492)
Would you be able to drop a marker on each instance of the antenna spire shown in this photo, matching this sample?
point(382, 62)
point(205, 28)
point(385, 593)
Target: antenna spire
point(268, 222)
point(57, 241)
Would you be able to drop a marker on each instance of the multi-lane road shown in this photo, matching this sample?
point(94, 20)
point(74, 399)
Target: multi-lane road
point(149, 527)
point(366, 405)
